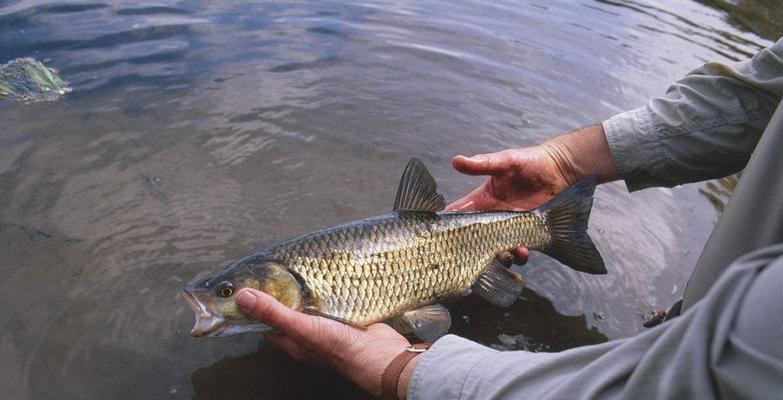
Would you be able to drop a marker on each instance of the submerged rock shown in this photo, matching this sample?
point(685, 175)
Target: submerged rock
point(28, 80)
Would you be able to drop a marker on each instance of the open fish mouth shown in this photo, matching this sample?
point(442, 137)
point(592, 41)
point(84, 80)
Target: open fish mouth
point(215, 325)
point(207, 323)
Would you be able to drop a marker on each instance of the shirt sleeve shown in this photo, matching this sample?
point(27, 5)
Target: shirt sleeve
point(726, 346)
point(705, 126)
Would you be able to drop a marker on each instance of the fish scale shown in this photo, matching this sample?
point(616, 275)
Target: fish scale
point(424, 258)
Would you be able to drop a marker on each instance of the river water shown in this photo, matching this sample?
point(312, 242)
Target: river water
point(197, 132)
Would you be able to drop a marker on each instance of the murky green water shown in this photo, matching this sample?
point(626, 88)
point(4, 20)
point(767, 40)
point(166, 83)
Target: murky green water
point(199, 131)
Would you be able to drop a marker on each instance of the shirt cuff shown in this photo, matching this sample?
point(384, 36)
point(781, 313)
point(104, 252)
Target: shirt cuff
point(636, 147)
point(445, 367)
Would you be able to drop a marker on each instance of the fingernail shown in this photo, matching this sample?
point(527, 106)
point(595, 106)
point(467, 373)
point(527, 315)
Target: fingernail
point(246, 301)
point(478, 158)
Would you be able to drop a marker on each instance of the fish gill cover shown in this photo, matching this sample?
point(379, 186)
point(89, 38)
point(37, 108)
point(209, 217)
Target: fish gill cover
point(28, 81)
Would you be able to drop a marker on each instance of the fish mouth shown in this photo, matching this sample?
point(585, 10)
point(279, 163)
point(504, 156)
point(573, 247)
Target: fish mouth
point(206, 322)
point(215, 325)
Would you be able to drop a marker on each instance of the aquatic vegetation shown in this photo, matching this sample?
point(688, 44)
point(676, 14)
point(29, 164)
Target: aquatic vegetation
point(28, 80)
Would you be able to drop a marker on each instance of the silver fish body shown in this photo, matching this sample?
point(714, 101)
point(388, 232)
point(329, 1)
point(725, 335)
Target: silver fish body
point(373, 269)
point(398, 267)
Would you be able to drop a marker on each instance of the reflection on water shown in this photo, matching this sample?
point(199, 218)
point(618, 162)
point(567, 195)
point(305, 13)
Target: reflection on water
point(532, 321)
point(268, 374)
point(199, 131)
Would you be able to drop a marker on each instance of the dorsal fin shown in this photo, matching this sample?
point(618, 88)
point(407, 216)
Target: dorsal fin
point(418, 190)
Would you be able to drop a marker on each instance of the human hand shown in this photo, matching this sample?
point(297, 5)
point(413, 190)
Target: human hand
point(359, 355)
point(519, 180)
point(523, 179)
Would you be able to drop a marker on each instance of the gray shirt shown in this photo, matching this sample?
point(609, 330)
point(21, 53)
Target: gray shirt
point(729, 344)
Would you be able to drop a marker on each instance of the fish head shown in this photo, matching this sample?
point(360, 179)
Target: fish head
point(213, 297)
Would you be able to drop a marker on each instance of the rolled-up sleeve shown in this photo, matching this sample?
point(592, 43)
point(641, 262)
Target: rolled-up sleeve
point(706, 125)
point(727, 346)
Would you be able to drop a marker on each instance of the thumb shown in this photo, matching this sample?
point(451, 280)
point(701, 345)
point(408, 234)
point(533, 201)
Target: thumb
point(482, 164)
point(268, 310)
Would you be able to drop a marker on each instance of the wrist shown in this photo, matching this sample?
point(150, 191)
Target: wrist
point(561, 156)
point(397, 375)
point(581, 154)
point(368, 374)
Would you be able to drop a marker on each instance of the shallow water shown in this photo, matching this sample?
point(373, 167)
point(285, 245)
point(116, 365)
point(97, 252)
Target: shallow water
point(197, 132)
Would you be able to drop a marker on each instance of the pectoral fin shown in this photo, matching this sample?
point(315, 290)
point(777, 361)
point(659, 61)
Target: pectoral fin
point(428, 323)
point(499, 285)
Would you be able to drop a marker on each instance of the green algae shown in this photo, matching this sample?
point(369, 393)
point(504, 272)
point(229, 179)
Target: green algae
point(28, 80)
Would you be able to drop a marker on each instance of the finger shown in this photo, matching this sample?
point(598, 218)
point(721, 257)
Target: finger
point(505, 258)
point(482, 164)
point(268, 310)
point(521, 255)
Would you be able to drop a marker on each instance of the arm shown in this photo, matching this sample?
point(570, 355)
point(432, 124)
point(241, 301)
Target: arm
point(705, 126)
point(727, 346)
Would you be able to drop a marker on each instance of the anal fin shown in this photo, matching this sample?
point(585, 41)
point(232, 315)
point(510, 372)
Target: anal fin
point(428, 323)
point(499, 286)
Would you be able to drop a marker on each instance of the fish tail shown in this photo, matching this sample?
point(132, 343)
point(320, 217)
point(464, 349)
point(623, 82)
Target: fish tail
point(567, 215)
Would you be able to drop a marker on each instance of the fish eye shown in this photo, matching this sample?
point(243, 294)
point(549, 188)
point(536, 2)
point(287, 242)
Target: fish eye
point(225, 289)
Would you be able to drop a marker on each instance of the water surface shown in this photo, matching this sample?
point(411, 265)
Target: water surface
point(199, 131)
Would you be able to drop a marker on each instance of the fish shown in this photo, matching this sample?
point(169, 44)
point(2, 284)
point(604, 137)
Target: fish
point(399, 267)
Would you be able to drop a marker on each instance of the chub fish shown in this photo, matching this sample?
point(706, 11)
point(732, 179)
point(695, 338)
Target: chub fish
point(399, 267)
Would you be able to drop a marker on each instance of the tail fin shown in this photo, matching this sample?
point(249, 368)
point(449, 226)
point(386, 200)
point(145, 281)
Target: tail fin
point(567, 216)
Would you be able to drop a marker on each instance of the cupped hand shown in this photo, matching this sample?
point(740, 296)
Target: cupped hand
point(359, 355)
point(519, 180)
